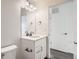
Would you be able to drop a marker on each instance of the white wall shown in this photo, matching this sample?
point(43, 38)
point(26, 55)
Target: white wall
point(10, 22)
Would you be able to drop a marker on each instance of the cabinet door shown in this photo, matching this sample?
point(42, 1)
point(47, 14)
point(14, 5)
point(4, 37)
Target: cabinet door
point(38, 52)
point(28, 50)
point(40, 48)
point(43, 48)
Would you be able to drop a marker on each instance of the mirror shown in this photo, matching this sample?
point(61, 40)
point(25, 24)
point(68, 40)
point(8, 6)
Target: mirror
point(28, 22)
point(23, 21)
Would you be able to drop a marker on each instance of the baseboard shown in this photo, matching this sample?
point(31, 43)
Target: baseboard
point(61, 51)
point(47, 58)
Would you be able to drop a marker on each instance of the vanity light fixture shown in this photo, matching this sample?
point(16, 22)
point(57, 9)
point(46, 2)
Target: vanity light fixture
point(28, 6)
point(32, 7)
point(24, 3)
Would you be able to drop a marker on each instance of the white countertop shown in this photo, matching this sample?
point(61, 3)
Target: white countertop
point(34, 38)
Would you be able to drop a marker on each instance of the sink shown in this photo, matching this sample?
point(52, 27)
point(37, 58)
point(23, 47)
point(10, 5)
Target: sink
point(34, 36)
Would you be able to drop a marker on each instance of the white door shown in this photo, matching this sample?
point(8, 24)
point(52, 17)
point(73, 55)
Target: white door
point(62, 27)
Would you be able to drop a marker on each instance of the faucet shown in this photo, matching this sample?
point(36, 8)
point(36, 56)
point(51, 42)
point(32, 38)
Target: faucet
point(27, 34)
point(31, 33)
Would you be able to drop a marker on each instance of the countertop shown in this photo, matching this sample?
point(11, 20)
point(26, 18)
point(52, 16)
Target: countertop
point(34, 38)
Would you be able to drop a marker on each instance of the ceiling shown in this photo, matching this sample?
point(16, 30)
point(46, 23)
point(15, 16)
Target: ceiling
point(44, 3)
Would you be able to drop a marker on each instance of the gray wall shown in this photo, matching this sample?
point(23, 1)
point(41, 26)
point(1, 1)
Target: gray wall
point(10, 21)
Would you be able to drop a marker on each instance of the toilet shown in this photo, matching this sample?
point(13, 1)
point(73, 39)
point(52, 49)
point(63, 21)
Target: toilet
point(8, 52)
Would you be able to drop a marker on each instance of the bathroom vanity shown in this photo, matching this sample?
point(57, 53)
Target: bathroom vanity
point(33, 47)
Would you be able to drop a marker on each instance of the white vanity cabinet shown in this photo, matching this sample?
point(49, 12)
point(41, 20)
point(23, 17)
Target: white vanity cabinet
point(33, 48)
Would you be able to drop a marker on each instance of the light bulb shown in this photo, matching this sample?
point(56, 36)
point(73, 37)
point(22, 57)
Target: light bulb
point(26, 3)
point(31, 6)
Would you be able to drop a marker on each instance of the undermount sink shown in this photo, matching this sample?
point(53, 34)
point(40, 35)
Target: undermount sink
point(34, 36)
point(31, 37)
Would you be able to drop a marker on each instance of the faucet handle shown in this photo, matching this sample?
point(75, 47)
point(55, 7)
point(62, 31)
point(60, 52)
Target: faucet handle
point(31, 33)
point(27, 34)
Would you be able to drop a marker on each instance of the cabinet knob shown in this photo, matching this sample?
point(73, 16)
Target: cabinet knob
point(75, 42)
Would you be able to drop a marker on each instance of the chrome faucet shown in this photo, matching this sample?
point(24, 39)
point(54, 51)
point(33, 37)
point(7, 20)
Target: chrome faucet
point(27, 34)
point(31, 33)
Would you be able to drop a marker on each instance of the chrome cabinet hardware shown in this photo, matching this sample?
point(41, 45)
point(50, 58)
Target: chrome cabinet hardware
point(75, 42)
point(28, 50)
